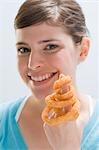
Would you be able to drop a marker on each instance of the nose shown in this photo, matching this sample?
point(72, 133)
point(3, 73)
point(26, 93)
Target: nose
point(35, 61)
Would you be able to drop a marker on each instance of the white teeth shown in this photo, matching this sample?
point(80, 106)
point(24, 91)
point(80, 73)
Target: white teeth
point(41, 78)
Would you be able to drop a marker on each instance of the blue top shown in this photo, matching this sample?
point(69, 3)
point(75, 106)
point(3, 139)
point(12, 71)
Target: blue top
point(90, 139)
point(11, 137)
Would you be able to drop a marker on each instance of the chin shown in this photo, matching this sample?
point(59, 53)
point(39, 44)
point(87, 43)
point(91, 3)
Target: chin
point(40, 96)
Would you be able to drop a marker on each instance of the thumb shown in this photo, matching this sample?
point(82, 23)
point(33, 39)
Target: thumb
point(61, 75)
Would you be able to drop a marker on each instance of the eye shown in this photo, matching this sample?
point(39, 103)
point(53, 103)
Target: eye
point(23, 51)
point(51, 47)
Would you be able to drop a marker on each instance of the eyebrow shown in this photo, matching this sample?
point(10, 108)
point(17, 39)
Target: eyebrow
point(45, 41)
point(21, 43)
point(40, 42)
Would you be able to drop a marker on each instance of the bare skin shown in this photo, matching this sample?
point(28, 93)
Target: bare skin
point(33, 132)
point(31, 128)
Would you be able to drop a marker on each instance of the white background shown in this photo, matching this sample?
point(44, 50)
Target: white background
point(11, 86)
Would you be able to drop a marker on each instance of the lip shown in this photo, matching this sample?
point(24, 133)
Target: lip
point(46, 82)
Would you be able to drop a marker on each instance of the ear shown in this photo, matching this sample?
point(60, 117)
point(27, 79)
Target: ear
point(84, 48)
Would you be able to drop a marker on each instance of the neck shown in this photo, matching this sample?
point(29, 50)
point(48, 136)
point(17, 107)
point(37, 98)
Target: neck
point(38, 104)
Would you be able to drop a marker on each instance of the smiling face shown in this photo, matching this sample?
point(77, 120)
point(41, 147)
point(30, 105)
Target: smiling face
point(44, 52)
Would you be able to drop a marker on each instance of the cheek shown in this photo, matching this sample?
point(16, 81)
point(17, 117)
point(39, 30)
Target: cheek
point(64, 62)
point(22, 67)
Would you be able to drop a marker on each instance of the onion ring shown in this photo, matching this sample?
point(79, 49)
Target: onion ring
point(57, 103)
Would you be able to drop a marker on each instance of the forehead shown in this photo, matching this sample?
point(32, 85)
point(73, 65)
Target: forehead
point(41, 32)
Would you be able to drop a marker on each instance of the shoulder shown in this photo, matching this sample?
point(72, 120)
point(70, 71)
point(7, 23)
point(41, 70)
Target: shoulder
point(9, 107)
point(91, 130)
point(7, 114)
point(8, 127)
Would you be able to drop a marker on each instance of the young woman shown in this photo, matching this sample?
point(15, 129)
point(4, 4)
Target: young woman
point(51, 39)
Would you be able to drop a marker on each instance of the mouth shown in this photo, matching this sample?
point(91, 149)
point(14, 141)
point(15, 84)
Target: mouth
point(42, 80)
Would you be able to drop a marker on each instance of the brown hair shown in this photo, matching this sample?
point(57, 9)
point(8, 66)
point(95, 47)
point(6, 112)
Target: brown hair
point(65, 13)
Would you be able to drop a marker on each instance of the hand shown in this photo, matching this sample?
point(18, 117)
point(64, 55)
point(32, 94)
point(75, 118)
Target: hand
point(64, 136)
